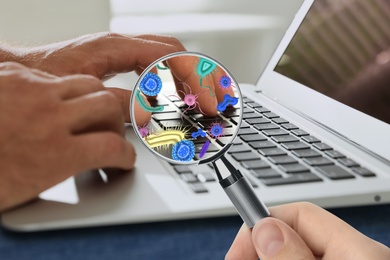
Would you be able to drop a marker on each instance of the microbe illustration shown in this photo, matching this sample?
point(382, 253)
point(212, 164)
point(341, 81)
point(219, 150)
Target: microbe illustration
point(198, 133)
point(216, 130)
point(204, 149)
point(144, 130)
point(151, 84)
point(165, 138)
point(145, 106)
point(161, 67)
point(189, 100)
point(227, 100)
point(225, 82)
point(204, 68)
point(183, 151)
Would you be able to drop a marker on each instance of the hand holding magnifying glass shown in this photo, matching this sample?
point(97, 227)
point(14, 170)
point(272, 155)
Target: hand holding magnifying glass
point(196, 108)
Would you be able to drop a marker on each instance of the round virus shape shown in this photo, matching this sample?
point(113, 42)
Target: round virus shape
point(151, 84)
point(225, 82)
point(216, 130)
point(183, 151)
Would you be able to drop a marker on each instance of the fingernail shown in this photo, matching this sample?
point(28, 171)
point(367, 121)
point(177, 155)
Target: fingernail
point(269, 238)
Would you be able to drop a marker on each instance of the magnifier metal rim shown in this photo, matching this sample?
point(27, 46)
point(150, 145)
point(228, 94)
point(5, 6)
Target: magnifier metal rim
point(132, 111)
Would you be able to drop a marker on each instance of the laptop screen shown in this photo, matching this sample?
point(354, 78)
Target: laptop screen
point(342, 49)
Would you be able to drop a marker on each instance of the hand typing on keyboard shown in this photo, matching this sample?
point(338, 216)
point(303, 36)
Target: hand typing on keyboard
point(57, 122)
point(304, 231)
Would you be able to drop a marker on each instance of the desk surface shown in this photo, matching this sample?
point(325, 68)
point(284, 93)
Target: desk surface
point(189, 239)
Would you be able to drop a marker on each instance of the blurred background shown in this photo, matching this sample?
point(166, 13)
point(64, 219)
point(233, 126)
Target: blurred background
point(240, 34)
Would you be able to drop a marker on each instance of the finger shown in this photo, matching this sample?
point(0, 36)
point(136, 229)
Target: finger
point(43, 74)
point(242, 247)
point(99, 111)
point(77, 85)
point(129, 53)
point(163, 39)
point(103, 150)
point(308, 220)
point(275, 240)
point(220, 87)
point(185, 70)
point(124, 97)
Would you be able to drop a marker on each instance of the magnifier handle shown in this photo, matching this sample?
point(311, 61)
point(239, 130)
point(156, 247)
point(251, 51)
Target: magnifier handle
point(244, 199)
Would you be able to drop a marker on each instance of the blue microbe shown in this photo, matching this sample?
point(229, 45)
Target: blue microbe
point(198, 133)
point(216, 130)
point(225, 82)
point(227, 100)
point(151, 84)
point(204, 149)
point(183, 151)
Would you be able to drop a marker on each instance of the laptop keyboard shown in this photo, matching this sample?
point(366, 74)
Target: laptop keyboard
point(272, 149)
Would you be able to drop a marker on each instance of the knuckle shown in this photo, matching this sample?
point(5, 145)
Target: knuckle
point(11, 65)
point(110, 101)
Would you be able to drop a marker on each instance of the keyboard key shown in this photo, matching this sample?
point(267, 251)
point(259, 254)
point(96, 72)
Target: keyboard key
point(239, 149)
point(222, 141)
point(265, 173)
point(182, 169)
point(244, 125)
point(198, 187)
point(247, 110)
point(270, 115)
point(247, 131)
point(322, 146)
point(274, 132)
point(189, 177)
point(266, 126)
point(294, 168)
point(253, 137)
point(310, 139)
point(253, 121)
point(251, 182)
point(166, 116)
point(299, 132)
point(254, 105)
point(295, 146)
point(348, 162)
point(247, 100)
point(245, 156)
point(285, 139)
point(363, 172)
point(284, 159)
point(292, 179)
point(271, 151)
point(232, 113)
point(279, 120)
point(251, 115)
point(262, 110)
point(206, 124)
point(206, 176)
point(306, 153)
point(289, 126)
point(335, 154)
point(317, 161)
point(237, 141)
point(334, 172)
point(262, 144)
point(255, 164)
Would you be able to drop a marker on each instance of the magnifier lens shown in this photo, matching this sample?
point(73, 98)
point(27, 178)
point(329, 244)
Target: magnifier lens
point(195, 107)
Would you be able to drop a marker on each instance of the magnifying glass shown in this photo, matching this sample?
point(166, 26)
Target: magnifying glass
point(196, 109)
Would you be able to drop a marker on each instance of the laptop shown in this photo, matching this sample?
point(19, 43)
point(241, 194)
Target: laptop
point(315, 128)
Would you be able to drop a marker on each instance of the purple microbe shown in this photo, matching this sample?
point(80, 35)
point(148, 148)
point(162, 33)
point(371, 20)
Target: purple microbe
point(183, 151)
point(151, 84)
point(204, 149)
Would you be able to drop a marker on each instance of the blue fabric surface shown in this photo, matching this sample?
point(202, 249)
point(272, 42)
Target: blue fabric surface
point(189, 239)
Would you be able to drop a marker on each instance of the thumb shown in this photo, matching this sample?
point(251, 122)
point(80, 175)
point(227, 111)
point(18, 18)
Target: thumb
point(275, 240)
